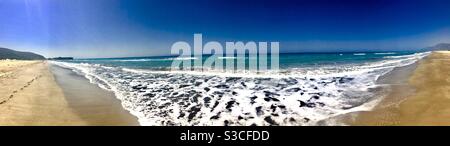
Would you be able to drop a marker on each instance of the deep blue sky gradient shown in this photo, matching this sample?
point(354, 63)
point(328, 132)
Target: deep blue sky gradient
point(119, 28)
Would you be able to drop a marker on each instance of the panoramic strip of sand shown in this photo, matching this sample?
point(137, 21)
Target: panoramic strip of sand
point(29, 95)
point(428, 103)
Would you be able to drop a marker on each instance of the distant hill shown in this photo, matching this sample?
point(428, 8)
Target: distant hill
point(441, 46)
point(11, 54)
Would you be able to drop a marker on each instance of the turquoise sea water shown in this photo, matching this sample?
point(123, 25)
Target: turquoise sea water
point(292, 60)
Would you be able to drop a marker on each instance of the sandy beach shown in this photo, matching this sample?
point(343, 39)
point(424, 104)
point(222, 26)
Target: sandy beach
point(423, 99)
point(38, 93)
point(30, 95)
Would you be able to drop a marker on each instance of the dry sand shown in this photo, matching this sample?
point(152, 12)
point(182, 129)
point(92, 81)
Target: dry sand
point(29, 95)
point(427, 104)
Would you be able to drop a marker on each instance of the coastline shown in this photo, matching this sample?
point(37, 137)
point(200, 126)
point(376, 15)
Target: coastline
point(39, 93)
point(395, 80)
point(32, 96)
point(91, 103)
point(420, 96)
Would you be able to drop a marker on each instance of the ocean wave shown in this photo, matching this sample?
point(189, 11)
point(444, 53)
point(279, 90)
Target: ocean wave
point(385, 53)
point(359, 54)
point(149, 59)
point(226, 58)
point(209, 98)
point(407, 56)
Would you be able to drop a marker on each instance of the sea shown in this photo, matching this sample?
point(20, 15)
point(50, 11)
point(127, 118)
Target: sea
point(307, 88)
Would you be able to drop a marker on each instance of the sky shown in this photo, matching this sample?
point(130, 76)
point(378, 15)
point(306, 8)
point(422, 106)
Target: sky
point(124, 28)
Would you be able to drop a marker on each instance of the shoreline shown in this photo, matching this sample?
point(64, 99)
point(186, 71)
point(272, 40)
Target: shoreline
point(91, 103)
point(40, 93)
point(32, 94)
point(396, 79)
point(415, 97)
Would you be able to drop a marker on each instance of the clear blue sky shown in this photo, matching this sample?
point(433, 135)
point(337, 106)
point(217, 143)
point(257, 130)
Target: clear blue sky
point(118, 28)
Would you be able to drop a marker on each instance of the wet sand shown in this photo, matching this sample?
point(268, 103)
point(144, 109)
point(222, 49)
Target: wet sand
point(94, 105)
point(30, 95)
point(422, 99)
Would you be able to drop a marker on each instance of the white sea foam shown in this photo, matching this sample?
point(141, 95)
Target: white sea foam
point(385, 53)
point(155, 59)
point(407, 56)
point(296, 96)
point(359, 54)
point(226, 58)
